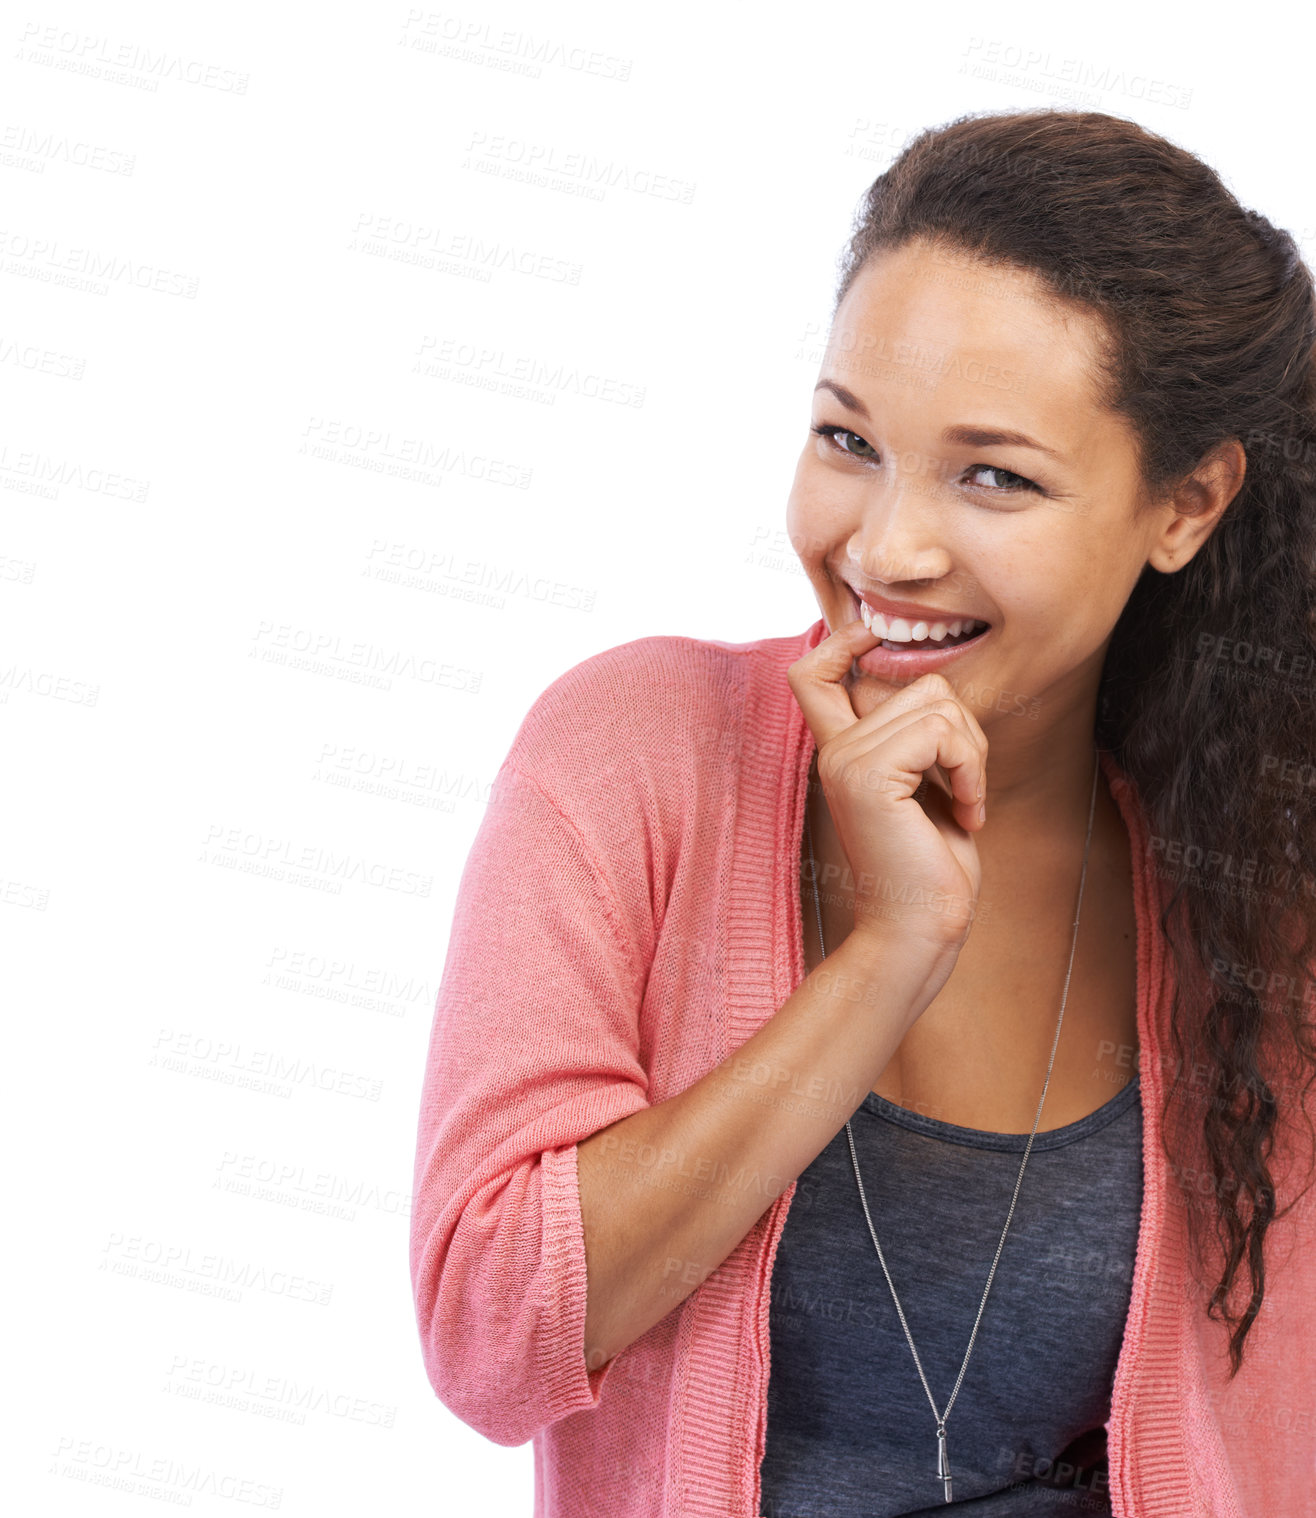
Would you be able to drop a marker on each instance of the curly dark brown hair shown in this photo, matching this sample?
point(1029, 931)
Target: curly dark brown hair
point(1206, 694)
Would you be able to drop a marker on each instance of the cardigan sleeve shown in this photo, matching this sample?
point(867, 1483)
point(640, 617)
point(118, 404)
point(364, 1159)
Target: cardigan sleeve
point(534, 1045)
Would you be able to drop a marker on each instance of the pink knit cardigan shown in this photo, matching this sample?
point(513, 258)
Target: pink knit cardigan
point(628, 916)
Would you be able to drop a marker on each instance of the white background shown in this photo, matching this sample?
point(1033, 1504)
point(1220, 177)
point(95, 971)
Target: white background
point(229, 861)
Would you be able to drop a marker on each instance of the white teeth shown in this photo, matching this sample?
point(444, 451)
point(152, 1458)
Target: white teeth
point(900, 630)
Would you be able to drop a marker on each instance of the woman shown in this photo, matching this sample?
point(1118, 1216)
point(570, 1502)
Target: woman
point(870, 1077)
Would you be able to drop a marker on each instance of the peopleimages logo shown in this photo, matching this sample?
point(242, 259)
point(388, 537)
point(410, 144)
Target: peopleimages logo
point(95, 54)
point(483, 41)
point(272, 849)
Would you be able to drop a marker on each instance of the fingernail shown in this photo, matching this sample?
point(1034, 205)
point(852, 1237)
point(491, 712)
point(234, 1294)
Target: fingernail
point(982, 812)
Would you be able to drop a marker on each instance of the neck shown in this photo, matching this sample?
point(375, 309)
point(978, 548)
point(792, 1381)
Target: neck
point(1040, 787)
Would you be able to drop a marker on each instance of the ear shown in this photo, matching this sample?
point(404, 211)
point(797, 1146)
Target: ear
point(1196, 505)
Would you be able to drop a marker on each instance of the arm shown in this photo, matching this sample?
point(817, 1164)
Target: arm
point(650, 1244)
point(534, 1045)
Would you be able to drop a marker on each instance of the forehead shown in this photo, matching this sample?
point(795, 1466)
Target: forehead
point(918, 322)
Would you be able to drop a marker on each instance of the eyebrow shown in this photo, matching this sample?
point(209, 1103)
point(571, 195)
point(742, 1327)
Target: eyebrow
point(968, 436)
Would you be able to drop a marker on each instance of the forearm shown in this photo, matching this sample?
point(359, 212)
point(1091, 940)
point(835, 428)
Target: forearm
point(667, 1193)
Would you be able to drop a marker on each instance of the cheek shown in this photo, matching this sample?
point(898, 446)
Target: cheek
point(803, 501)
point(816, 516)
point(807, 531)
point(1050, 638)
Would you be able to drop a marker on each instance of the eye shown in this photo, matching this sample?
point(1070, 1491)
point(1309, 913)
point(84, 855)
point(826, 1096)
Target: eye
point(832, 433)
point(1015, 482)
point(1021, 482)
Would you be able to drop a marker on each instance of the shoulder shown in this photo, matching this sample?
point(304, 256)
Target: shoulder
point(651, 713)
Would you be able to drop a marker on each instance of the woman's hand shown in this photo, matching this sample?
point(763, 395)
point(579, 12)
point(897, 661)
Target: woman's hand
point(915, 866)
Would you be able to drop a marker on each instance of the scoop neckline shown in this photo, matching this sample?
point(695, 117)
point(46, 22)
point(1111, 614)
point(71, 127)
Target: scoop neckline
point(877, 1106)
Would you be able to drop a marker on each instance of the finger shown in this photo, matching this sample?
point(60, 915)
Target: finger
point(918, 693)
point(952, 762)
point(816, 680)
point(953, 759)
point(956, 766)
point(917, 696)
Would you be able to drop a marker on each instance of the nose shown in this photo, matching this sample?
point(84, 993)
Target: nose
point(896, 542)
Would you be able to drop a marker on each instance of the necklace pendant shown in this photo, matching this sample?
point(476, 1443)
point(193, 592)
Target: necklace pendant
point(943, 1463)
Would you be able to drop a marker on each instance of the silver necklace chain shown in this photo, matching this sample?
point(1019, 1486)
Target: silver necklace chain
point(943, 1461)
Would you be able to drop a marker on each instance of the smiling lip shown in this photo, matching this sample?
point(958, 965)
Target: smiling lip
point(907, 609)
point(896, 665)
point(910, 610)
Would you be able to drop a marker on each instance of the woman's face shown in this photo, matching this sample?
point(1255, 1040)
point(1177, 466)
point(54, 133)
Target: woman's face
point(896, 500)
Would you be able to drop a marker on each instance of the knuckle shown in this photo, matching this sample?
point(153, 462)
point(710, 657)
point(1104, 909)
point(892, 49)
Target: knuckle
point(859, 776)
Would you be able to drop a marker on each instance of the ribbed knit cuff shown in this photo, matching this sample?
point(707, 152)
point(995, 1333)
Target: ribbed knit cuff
point(570, 1387)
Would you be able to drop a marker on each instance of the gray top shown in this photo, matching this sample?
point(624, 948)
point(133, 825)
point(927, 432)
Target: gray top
point(850, 1432)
